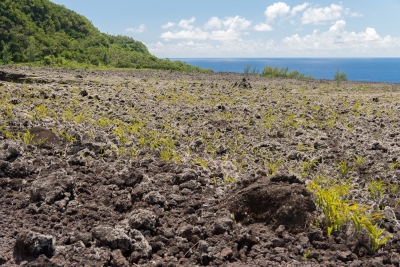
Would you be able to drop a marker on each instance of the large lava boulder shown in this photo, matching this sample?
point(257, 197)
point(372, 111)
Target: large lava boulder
point(31, 245)
point(279, 200)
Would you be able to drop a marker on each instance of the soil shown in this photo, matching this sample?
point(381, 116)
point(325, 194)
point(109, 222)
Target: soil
point(160, 168)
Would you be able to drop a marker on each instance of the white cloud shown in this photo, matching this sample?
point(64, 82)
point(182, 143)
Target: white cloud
point(139, 29)
point(320, 15)
point(335, 41)
point(229, 34)
point(168, 25)
point(299, 8)
point(279, 9)
point(356, 15)
point(232, 25)
point(236, 23)
point(186, 34)
point(308, 13)
point(339, 42)
point(339, 26)
point(370, 34)
point(275, 10)
point(211, 49)
point(185, 24)
point(213, 23)
point(263, 27)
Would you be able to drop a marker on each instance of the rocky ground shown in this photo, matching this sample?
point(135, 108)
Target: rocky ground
point(156, 168)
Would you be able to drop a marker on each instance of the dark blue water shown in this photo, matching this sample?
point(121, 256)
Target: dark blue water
point(357, 69)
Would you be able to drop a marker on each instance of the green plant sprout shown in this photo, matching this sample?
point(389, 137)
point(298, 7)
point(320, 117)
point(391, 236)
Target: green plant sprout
point(375, 234)
point(68, 137)
point(28, 138)
point(273, 166)
point(376, 189)
point(202, 162)
point(393, 165)
point(333, 206)
point(358, 161)
point(305, 255)
point(343, 168)
point(393, 188)
point(6, 133)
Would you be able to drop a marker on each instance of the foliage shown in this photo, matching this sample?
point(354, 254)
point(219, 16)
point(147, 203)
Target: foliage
point(28, 138)
point(376, 189)
point(69, 138)
point(247, 70)
point(375, 234)
point(340, 76)
point(273, 166)
point(334, 207)
point(343, 168)
point(283, 73)
point(5, 53)
point(44, 33)
point(331, 197)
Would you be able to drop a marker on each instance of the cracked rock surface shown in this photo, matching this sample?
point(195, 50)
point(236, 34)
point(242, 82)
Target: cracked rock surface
point(158, 168)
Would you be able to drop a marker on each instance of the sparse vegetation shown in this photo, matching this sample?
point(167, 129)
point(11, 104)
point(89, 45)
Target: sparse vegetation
point(339, 77)
point(195, 140)
point(276, 72)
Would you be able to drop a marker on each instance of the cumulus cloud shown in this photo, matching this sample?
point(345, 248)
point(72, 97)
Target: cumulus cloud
point(213, 23)
point(229, 34)
point(138, 29)
point(263, 27)
point(323, 14)
point(200, 48)
point(236, 23)
point(279, 10)
point(232, 29)
point(299, 8)
point(337, 39)
point(307, 13)
point(168, 25)
point(185, 34)
point(185, 24)
point(276, 10)
point(338, 26)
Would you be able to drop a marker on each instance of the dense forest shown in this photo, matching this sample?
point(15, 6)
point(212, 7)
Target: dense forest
point(40, 32)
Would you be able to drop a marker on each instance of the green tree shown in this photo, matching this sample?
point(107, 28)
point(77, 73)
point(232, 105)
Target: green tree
point(6, 53)
point(31, 51)
point(340, 76)
point(41, 31)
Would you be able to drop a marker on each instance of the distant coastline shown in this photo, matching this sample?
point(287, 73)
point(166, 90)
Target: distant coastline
point(357, 69)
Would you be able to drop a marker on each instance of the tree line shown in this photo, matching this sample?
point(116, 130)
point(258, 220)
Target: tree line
point(40, 32)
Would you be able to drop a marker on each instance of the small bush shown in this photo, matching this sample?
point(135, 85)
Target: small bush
point(340, 76)
point(283, 73)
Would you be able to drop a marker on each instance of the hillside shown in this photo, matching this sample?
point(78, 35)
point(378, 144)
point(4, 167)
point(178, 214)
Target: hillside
point(41, 32)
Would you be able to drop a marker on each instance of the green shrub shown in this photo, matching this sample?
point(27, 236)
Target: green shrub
point(283, 73)
point(340, 76)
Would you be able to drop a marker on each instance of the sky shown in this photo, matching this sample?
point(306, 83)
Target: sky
point(250, 29)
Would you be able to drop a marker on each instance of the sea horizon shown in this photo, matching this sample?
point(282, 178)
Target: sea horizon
point(363, 69)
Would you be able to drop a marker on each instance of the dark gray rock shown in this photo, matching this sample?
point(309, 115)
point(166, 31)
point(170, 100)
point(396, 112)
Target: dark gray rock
point(143, 219)
point(154, 197)
point(30, 245)
point(111, 237)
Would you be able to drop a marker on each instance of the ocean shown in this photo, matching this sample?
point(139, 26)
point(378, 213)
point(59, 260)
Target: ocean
point(357, 69)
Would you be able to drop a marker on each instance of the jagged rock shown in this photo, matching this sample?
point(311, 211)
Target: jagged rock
point(142, 219)
point(113, 238)
point(30, 245)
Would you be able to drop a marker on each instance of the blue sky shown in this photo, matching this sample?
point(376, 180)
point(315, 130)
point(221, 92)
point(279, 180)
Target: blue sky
point(222, 28)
